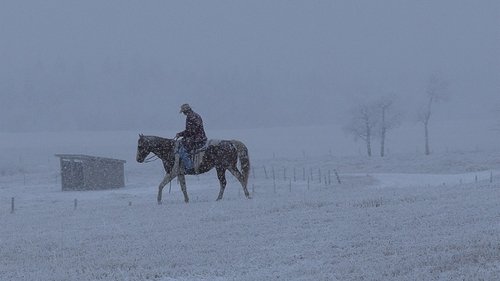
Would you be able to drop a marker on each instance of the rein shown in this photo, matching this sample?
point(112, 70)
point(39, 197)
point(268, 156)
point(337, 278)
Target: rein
point(153, 145)
point(151, 158)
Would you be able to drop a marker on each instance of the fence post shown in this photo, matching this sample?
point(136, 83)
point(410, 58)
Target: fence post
point(274, 180)
point(12, 206)
point(491, 177)
point(265, 172)
point(337, 175)
point(75, 204)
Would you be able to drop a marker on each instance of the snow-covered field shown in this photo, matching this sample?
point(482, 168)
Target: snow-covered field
point(404, 217)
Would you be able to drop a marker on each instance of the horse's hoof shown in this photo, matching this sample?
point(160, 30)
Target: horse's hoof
point(159, 203)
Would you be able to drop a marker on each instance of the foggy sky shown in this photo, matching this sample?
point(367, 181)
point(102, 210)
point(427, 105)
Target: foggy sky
point(114, 65)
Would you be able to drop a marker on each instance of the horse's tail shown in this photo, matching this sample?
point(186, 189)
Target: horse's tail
point(244, 159)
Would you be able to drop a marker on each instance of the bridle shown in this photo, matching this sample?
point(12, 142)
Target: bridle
point(148, 145)
point(151, 158)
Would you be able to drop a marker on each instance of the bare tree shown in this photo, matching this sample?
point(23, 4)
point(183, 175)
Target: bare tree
point(388, 119)
point(435, 92)
point(362, 125)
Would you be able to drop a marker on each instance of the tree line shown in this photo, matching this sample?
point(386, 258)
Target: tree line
point(375, 119)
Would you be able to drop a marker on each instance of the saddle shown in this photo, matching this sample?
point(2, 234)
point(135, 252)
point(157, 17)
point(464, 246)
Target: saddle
point(197, 154)
point(206, 145)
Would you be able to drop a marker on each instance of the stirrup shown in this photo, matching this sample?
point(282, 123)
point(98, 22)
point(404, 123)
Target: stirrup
point(186, 171)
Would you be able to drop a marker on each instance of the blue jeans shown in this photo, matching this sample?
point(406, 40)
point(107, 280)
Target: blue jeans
point(186, 160)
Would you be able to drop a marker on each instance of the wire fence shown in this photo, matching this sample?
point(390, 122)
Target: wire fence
point(273, 179)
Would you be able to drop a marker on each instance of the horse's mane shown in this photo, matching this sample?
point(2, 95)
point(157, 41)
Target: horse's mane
point(156, 141)
point(157, 138)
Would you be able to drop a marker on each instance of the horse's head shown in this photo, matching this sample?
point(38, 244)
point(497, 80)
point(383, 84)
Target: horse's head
point(143, 148)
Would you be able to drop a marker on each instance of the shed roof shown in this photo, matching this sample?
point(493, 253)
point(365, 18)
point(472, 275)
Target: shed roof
point(83, 157)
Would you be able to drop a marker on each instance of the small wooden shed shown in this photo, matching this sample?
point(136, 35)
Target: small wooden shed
point(84, 172)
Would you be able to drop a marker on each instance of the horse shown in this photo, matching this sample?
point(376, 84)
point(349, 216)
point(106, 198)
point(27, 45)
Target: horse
point(223, 155)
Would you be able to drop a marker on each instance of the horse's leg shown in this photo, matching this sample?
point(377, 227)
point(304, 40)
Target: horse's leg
point(168, 178)
point(237, 174)
point(221, 174)
point(182, 180)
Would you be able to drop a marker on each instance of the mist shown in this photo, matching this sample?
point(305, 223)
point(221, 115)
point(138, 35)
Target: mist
point(129, 65)
point(406, 195)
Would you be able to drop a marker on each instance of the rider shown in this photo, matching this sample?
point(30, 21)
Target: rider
point(193, 137)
